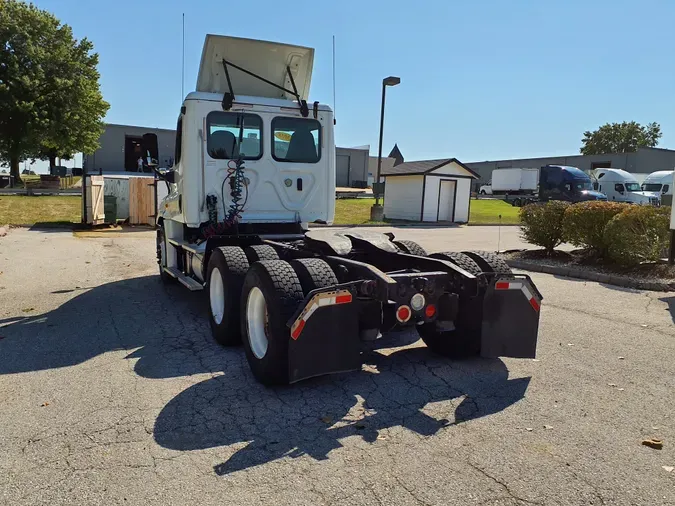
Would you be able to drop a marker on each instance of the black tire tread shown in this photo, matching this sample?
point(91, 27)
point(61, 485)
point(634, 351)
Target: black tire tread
point(460, 260)
point(411, 247)
point(259, 252)
point(282, 301)
point(314, 273)
point(236, 264)
point(490, 262)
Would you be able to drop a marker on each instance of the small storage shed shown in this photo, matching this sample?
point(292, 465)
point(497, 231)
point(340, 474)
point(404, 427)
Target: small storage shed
point(428, 190)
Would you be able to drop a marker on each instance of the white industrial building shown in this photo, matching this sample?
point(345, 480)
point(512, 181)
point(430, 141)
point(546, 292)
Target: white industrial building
point(428, 190)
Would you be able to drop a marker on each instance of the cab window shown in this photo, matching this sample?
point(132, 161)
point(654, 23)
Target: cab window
point(296, 140)
point(224, 131)
point(618, 188)
point(665, 188)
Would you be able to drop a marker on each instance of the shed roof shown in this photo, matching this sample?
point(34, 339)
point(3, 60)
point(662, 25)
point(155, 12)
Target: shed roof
point(423, 167)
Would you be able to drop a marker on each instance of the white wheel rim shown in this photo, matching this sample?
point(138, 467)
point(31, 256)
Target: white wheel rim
point(256, 322)
point(217, 295)
point(162, 245)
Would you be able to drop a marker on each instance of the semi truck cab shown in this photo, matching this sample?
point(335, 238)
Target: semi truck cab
point(561, 182)
point(622, 186)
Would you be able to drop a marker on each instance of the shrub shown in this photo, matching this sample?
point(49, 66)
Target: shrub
point(638, 234)
point(585, 224)
point(542, 224)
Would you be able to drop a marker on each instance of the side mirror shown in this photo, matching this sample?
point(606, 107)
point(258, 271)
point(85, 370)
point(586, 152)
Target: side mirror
point(150, 146)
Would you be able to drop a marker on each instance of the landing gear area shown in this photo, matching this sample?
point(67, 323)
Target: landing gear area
point(302, 305)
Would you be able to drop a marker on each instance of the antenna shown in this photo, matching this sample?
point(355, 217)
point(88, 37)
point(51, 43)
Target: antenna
point(182, 75)
point(333, 79)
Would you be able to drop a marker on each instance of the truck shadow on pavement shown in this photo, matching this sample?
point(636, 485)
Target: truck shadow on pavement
point(165, 330)
point(409, 389)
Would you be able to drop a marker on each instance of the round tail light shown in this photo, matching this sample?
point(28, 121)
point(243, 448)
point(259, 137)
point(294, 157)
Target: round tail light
point(430, 311)
point(403, 314)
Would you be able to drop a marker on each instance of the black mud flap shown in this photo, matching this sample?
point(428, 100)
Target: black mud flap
point(511, 318)
point(324, 336)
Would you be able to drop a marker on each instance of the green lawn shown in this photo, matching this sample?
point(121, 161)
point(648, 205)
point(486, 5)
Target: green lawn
point(353, 211)
point(483, 212)
point(486, 212)
point(23, 210)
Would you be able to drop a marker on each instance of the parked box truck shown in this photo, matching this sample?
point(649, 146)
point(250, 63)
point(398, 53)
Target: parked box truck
point(512, 182)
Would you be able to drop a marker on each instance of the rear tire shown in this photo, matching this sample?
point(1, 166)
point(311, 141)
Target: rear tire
point(411, 247)
point(225, 275)
point(261, 252)
point(269, 298)
point(491, 262)
point(313, 273)
point(162, 255)
point(464, 340)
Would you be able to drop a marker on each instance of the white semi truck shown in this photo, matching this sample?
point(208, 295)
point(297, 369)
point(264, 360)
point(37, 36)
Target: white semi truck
point(660, 181)
point(255, 164)
point(621, 186)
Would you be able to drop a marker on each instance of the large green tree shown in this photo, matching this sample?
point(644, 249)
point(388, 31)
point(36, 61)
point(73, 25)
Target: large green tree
point(50, 101)
point(624, 137)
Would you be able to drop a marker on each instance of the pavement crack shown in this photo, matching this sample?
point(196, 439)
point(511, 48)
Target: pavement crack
point(502, 484)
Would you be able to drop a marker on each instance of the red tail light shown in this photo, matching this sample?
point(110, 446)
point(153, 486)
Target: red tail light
point(430, 311)
point(403, 314)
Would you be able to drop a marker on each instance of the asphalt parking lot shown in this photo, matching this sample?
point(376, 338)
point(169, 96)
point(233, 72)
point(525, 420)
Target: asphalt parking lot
point(113, 392)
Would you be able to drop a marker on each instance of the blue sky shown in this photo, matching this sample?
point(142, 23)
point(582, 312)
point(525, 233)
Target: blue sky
point(479, 80)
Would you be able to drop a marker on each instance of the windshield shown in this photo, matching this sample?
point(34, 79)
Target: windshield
point(651, 187)
point(582, 185)
point(632, 187)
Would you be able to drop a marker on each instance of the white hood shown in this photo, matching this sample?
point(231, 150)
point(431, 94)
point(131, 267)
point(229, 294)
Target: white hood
point(266, 59)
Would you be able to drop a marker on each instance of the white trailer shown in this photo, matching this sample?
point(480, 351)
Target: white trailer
point(512, 181)
point(255, 164)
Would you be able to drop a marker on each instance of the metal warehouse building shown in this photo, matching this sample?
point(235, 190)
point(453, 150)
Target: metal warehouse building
point(643, 161)
point(120, 149)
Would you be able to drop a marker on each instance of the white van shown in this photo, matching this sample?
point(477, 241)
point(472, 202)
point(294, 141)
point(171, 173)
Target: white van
point(660, 181)
point(621, 186)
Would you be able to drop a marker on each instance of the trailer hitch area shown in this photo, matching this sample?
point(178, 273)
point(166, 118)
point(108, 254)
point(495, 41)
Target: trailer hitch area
point(510, 325)
point(324, 332)
point(422, 297)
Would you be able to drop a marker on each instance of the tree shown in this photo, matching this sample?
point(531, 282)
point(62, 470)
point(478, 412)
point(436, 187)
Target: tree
point(50, 102)
point(624, 137)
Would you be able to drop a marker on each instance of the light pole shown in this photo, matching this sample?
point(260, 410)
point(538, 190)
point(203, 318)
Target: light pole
point(377, 211)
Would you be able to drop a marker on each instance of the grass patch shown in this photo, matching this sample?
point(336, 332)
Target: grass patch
point(24, 210)
point(353, 211)
point(483, 212)
point(486, 212)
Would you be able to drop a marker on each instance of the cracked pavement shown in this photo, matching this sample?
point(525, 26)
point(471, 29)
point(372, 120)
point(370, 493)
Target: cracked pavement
point(113, 392)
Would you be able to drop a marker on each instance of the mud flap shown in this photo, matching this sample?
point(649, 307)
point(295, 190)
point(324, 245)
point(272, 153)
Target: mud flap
point(324, 337)
point(510, 318)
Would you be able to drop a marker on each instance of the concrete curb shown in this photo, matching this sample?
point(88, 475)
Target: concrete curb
point(600, 277)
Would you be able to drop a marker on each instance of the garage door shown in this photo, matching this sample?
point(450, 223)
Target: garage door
point(446, 201)
point(342, 170)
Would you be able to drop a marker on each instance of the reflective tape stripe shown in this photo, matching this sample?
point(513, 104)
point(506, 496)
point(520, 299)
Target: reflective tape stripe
point(516, 285)
point(319, 300)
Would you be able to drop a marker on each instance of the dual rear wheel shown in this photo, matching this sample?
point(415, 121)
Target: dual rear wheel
point(252, 300)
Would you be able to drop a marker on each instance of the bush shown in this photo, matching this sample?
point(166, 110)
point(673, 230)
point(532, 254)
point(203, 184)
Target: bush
point(585, 224)
point(542, 224)
point(638, 234)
